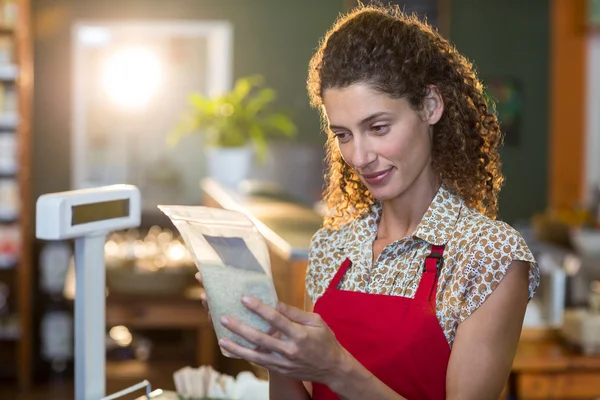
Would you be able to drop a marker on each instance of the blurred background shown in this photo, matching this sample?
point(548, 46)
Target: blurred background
point(203, 102)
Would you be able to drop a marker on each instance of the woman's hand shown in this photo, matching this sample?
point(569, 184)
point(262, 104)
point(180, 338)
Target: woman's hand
point(305, 349)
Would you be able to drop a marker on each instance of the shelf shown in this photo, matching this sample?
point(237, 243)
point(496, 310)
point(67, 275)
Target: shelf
point(8, 266)
point(159, 373)
point(9, 120)
point(8, 214)
point(8, 219)
point(9, 72)
point(11, 337)
point(8, 173)
point(7, 360)
point(10, 329)
point(7, 30)
point(8, 372)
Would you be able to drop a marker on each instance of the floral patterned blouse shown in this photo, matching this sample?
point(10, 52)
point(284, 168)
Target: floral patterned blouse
point(477, 255)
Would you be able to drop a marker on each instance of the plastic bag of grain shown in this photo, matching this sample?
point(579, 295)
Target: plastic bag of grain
point(233, 258)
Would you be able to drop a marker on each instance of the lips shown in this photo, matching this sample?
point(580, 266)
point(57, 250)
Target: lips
point(377, 177)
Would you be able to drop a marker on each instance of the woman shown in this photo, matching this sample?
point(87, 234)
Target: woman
point(418, 292)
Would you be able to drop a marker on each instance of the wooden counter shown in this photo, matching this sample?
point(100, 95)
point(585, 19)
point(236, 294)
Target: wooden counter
point(547, 368)
point(168, 313)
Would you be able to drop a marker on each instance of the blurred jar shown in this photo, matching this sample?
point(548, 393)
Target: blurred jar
point(9, 199)
point(9, 12)
point(8, 153)
point(10, 244)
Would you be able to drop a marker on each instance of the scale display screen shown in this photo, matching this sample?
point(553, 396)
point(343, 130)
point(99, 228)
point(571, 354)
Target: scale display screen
point(100, 211)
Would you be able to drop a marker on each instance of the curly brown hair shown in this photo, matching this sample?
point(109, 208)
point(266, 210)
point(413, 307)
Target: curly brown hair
point(399, 55)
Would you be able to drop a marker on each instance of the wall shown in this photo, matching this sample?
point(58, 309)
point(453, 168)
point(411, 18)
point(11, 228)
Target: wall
point(568, 103)
point(510, 38)
point(502, 38)
point(272, 37)
point(592, 136)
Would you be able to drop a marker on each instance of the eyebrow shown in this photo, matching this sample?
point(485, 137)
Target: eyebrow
point(365, 121)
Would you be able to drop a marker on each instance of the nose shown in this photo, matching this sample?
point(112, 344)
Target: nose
point(363, 154)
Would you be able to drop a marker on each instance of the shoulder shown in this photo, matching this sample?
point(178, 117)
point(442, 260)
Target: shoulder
point(485, 249)
point(491, 238)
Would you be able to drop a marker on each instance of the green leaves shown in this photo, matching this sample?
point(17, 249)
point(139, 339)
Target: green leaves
point(281, 123)
point(243, 116)
point(259, 102)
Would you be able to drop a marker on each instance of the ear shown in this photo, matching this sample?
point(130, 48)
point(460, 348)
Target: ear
point(433, 105)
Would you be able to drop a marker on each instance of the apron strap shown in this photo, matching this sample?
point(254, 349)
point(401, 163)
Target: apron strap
point(428, 286)
point(337, 278)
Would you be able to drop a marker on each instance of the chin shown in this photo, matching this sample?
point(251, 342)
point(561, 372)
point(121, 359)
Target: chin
point(386, 192)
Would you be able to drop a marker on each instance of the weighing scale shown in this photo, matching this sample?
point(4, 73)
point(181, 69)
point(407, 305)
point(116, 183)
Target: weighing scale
point(88, 216)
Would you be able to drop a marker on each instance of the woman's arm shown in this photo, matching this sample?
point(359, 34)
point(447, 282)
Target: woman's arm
point(282, 387)
point(486, 342)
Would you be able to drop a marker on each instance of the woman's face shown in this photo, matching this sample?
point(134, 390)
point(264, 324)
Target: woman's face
point(382, 138)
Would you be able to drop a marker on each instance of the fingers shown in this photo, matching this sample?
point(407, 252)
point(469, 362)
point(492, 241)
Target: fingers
point(205, 302)
point(267, 360)
point(271, 315)
point(299, 316)
point(198, 277)
point(263, 340)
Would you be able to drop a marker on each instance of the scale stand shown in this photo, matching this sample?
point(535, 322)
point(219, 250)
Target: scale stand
point(88, 216)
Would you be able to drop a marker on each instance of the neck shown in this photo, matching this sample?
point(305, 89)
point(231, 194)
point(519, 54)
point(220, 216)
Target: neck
point(401, 215)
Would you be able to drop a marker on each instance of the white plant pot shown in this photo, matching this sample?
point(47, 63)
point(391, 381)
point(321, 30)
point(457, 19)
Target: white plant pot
point(230, 166)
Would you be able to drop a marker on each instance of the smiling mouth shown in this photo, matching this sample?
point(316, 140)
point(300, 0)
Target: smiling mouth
point(377, 177)
point(375, 174)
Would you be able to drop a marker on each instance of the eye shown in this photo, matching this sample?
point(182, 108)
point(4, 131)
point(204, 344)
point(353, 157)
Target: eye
point(342, 137)
point(380, 129)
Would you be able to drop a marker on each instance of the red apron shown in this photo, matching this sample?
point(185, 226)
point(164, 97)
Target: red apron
point(398, 339)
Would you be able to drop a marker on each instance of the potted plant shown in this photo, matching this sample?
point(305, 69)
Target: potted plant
point(236, 126)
